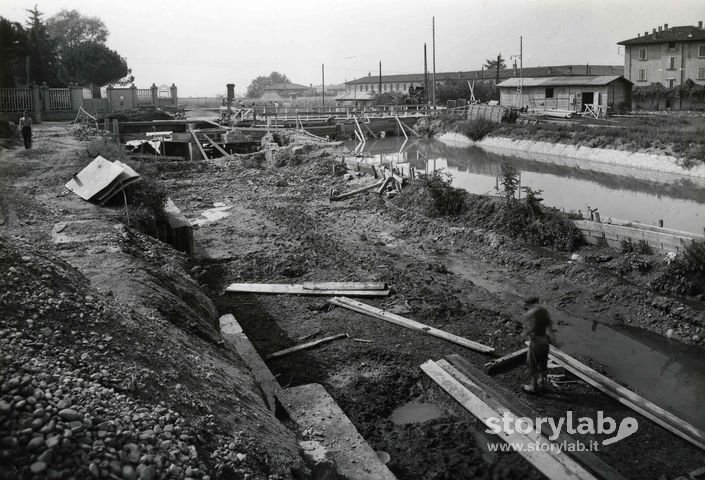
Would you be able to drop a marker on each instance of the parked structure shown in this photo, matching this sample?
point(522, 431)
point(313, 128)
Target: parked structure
point(577, 94)
point(669, 56)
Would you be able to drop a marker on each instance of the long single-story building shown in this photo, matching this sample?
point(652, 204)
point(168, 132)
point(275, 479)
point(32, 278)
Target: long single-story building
point(574, 93)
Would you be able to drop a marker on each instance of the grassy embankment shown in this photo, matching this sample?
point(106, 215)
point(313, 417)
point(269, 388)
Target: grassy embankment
point(666, 134)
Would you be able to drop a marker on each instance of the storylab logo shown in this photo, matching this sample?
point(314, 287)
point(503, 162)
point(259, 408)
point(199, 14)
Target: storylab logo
point(602, 425)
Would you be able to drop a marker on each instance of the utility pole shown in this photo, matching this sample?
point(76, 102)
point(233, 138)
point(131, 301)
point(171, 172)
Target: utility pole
point(425, 76)
point(380, 77)
point(323, 83)
point(433, 89)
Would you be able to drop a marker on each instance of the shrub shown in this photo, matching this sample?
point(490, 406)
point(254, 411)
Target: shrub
point(475, 129)
point(447, 200)
point(509, 182)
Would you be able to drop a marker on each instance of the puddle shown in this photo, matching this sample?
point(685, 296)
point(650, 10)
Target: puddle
point(414, 412)
point(219, 212)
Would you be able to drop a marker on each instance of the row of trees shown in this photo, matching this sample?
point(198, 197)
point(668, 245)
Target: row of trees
point(66, 48)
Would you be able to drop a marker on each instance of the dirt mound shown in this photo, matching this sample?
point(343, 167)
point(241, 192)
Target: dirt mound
point(90, 387)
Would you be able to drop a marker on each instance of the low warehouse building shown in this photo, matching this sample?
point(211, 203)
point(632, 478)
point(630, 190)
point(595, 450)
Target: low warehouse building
point(600, 94)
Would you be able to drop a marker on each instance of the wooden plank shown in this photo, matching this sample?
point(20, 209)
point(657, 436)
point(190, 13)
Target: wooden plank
point(232, 333)
point(407, 323)
point(313, 409)
point(198, 144)
point(345, 285)
point(637, 403)
point(305, 346)
point(486, 387)
point(215, 145)
point(505, 361)
point(352, 193)
point(297, 289)
point(553, 464)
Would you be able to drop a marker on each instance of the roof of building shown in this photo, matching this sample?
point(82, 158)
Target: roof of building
point(685, 33)
point(286, 86)
point(503, 74)
point(359, 96)
point(594, 81)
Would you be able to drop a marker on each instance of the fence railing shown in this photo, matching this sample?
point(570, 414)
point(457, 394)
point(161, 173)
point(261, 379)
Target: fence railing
point(144, 96)
point(59, 99)
point(15, 99)
point(95, 105)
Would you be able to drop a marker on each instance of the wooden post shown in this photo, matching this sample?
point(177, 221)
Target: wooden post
point(116, 130)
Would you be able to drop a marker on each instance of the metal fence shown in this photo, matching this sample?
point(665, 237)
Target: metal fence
point(15, 99)
point(59, 99)
point(144, 96)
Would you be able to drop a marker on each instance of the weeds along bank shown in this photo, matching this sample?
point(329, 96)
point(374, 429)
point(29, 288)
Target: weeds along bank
point(666, 143)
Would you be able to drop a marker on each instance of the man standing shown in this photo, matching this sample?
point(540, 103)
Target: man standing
point(26, 126)
point(538, 327)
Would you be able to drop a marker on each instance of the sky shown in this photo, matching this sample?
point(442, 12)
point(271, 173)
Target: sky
point(202, 45)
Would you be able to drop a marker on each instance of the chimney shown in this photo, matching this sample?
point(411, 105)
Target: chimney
point(659, 28)
point(638, 35)
point(665, 26)
point(646, 33)
point(369, 74)
point(700, 24)
point(653, 31)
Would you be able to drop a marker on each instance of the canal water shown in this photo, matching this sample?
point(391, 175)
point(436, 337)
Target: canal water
point(644, 196)
point(668, 373)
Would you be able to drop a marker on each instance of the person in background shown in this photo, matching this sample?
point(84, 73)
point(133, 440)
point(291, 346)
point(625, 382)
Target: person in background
point(538, 328)
point(26, 126)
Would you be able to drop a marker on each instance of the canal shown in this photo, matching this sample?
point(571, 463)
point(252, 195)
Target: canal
point(630, 194)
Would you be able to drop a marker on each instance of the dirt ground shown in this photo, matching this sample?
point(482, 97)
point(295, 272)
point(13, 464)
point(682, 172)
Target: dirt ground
point(282, 228)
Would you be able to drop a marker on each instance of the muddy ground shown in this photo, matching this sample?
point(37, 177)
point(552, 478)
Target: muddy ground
point(448, 274)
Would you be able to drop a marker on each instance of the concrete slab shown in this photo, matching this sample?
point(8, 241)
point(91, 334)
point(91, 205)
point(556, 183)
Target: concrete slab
point(314, 410)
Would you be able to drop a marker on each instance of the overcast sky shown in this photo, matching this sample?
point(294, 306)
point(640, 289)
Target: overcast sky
point(201, 45)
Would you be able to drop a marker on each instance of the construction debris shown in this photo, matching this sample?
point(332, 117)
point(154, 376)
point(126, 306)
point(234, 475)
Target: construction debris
point(371, 311)
point(306, 346)
point(306, 289)
point(102, 179)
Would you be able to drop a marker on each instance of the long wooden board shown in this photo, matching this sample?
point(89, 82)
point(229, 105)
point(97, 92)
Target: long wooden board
point(553, 464)
point(298, 289)
point(637, 403)
point(306, 346)
point(494, 394)
point(215, 145)
point(505, 361)
point(365, 309)
point(198, 144)
point(345, 285)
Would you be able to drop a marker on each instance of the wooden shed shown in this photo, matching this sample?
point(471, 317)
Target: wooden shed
point(574, 93)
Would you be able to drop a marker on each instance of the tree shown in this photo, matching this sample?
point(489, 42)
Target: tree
point(42, 52)
point(13, 53)
point(69, 29)
point(491, 63)
point(92, 63)
point(257, 86)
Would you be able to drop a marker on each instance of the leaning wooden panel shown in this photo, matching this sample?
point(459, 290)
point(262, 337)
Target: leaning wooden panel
point(553, 464)
point(365, 309)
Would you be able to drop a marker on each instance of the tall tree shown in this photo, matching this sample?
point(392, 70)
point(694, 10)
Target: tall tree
point(257, 86)
point(42, 52)
point(69, 29)
point(13, 54)
point(491, 63)
point(92, 63)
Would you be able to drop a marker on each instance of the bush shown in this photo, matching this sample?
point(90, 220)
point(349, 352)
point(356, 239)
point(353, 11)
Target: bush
point(641, 247)
point(475, 129)
point(447, 200)
point(107, 149)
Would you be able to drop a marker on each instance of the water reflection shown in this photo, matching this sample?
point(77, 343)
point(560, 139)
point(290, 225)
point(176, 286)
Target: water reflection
point(628, 194)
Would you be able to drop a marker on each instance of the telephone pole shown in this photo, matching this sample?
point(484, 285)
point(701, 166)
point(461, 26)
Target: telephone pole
point(425, 76)
point(380, 77)
point(323, 83)
point(433, 88)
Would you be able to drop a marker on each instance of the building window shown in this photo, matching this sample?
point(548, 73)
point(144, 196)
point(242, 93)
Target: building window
point(701, 50)
point(671, 82)
point(642, 75)
point(701, 73)
point(549, 93)
point(642, 53)
point(671, 63)
point(671, 45)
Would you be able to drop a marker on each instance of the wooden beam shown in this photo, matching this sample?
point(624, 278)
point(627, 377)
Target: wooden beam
point(490, 391)
point(637, 403)
point(345, 285)
point(215, 145)
point(374, 312)
point(198, 144)
point(369, 129)
point(553, 464)
point(305, 346)
point(297, 289)
point(506, 360)
point(352, 193)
